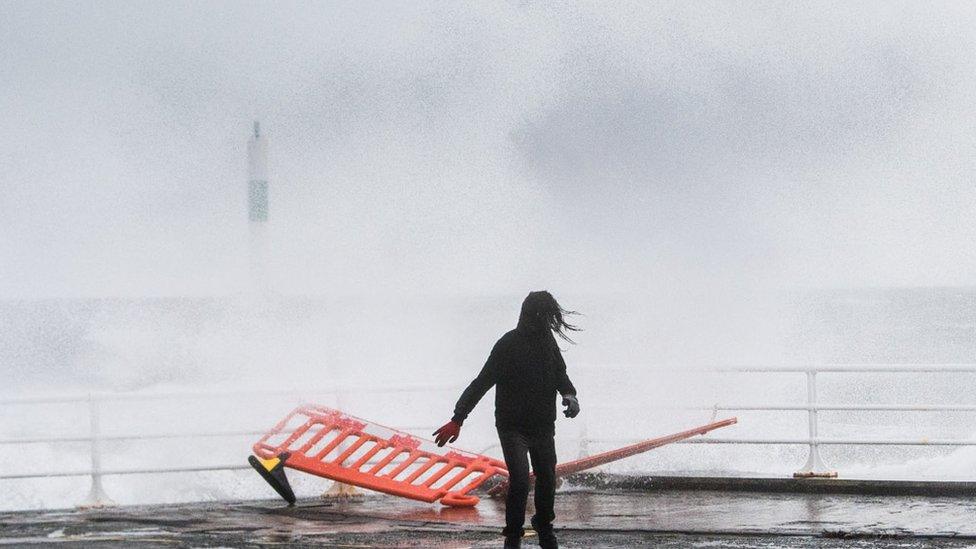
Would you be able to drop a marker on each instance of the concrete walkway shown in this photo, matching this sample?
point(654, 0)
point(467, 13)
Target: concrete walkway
point(590, 519)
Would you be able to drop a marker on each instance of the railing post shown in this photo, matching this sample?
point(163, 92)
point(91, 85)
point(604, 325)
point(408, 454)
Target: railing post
point(814, 466)
point(584, 445)
point(96, 495)
point(340, 489)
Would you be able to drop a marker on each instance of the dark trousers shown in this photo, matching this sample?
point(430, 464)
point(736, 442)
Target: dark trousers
point(541, 449)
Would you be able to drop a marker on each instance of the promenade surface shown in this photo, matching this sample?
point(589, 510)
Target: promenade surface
point(587, 519)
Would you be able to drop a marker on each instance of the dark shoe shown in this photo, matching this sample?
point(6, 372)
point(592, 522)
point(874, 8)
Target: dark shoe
point(547, 539)
point(512, 542)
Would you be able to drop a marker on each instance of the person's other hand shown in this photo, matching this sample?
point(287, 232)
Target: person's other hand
point(448, 433)
point(572, 406)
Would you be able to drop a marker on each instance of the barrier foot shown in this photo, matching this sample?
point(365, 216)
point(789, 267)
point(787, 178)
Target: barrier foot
point(341, 490)
point(273, 471)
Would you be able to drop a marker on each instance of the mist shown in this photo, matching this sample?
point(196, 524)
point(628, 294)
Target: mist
point(491, 148)
point(708, 183)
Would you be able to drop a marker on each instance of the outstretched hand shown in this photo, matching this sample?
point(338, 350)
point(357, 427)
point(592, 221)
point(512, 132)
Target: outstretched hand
point(572, 406)
point(448, 433)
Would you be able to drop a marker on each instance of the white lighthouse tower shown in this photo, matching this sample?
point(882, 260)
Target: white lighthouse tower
point(257, 208)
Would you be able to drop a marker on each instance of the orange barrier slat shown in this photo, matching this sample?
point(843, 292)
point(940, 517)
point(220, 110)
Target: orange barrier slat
point(610, 456)
point(589, 462)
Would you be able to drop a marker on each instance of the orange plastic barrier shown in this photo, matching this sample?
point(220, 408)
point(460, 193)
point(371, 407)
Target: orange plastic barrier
point(328, 443)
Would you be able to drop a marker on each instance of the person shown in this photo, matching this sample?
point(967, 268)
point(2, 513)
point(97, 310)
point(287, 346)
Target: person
point(527, 369)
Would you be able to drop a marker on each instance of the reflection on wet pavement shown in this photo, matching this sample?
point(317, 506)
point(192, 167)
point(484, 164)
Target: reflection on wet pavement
point(586, 519)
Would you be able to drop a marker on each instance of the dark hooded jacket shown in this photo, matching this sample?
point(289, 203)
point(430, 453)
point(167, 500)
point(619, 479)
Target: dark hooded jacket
point(527, 369)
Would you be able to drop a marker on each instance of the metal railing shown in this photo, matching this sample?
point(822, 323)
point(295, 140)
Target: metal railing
point(814, 465)
point(97, 496)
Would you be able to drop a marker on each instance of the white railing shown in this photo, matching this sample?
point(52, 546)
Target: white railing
point(814, 465)
point(97, 496)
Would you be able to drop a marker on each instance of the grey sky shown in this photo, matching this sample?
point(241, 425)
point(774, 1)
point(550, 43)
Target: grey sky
point(487, 147)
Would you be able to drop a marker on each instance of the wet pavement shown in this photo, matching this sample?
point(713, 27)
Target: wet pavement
point(591, 519)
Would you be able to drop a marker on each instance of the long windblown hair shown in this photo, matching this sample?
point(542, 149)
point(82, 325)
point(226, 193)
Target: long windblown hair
point(541, 311)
